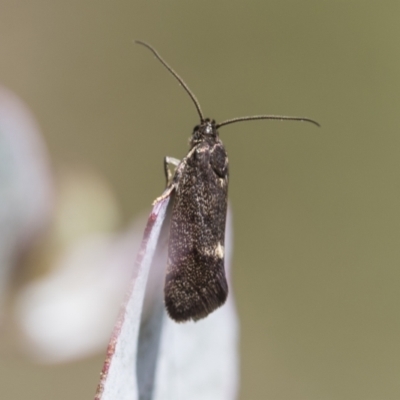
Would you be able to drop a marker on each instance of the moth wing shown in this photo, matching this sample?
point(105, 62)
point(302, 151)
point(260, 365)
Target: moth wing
point(195, 281)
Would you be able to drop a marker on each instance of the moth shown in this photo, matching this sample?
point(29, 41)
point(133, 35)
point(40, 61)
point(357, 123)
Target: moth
point(195, 282)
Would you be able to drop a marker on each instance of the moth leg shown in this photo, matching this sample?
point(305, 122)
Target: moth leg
point(169, 176)
point(170, 165)
point(167, 192)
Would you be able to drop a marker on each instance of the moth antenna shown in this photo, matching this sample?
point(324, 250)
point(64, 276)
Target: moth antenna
point(177, 77)
point(255, 117)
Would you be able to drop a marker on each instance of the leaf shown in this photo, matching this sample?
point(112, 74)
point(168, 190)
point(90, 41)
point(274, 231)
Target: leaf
point(152, 357)
point(118, 377)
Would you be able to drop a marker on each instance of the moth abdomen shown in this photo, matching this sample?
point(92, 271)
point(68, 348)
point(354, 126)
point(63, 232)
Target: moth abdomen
point(186, 298)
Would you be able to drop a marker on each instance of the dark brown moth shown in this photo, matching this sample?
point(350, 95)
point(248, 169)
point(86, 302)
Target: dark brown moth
point(195, 283)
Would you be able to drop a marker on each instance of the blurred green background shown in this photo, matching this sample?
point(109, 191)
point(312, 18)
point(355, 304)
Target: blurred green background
point(316, 211)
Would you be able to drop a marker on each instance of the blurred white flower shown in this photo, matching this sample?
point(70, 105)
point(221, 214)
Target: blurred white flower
point(26, 191)
point(69, 312)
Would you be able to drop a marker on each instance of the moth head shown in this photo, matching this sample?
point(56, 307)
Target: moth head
point(205, 131)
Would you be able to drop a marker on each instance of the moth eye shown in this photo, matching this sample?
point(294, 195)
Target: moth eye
point(218, 161)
